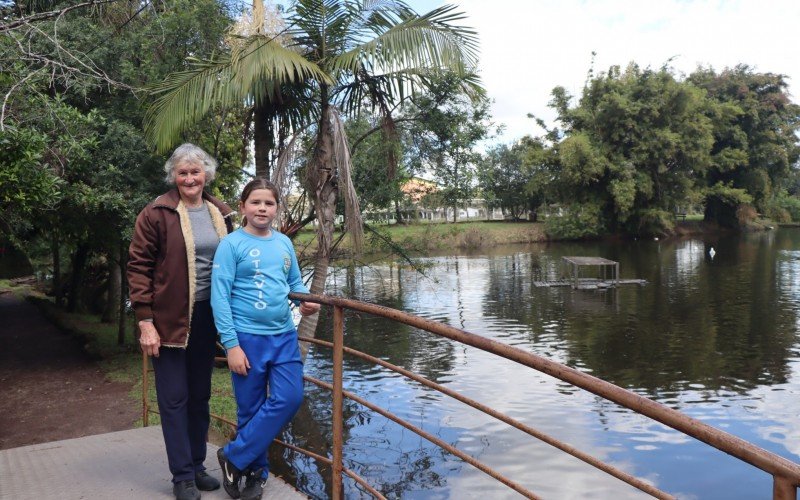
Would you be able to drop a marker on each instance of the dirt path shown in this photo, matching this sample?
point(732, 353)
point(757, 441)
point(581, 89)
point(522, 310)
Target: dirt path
point(49, 388)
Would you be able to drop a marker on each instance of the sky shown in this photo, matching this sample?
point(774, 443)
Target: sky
point(527, 47)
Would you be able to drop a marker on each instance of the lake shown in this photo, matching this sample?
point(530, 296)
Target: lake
point(716, 338)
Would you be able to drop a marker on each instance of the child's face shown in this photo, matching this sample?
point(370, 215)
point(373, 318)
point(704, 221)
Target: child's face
point(260, 209)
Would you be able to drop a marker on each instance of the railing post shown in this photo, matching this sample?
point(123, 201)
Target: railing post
point(145, 409)
point(783, 489)
point(338, 424)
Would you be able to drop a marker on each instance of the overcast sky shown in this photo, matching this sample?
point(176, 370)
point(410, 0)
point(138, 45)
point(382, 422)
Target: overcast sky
point(530, 46)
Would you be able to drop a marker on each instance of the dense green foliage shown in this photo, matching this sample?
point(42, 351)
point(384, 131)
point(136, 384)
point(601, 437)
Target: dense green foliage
point(633, 145)
point(642, 145)
point(755, 139)
point(75, 167)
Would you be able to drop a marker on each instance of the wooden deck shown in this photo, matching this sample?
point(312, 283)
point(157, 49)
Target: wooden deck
point(125, 465)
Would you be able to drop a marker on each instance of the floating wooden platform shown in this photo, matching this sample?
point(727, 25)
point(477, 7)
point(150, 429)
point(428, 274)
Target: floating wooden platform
point(589, 283)
point(606, 272)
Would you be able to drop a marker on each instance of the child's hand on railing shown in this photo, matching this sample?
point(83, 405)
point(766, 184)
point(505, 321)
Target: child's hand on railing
point(308, 308)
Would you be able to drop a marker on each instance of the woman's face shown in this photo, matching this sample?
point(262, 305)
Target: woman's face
point(190, 178)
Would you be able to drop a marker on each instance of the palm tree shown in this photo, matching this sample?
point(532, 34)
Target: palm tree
point(328, 58)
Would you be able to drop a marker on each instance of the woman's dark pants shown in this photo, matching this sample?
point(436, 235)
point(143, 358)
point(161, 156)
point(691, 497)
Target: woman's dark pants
point(183, 388)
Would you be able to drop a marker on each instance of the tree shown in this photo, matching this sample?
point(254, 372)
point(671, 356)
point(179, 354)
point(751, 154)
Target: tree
point(73, 129)
point(516, 178)
point(449, 125)
point(333, 57)
point(371, 153)
point(633, 146)
point(755, 140)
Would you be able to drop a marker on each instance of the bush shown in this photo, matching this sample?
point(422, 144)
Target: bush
point(655, 222)
point(780, 215)
point(746, 214)
point(784, 208)
point(472, 238)
point(579, 222)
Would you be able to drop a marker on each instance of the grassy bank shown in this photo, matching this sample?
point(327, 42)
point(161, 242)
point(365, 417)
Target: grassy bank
point(421, 238)
point(424, 238)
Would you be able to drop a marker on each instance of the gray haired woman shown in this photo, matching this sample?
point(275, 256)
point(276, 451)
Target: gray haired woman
point(169, 272)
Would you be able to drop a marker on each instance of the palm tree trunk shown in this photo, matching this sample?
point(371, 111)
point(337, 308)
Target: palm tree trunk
point(322, 181)
point(262, 141)
point(308, 325)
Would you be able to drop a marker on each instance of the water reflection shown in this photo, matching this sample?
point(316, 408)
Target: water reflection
point(713, 337)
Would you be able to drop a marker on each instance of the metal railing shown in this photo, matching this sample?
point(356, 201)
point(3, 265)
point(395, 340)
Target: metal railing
point(785, 473)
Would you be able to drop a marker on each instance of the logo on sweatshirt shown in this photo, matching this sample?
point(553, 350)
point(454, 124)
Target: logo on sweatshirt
point(259, 278)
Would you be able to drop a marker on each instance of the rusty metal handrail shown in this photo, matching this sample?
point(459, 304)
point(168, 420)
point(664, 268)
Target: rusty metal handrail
point(566, 448)
point(430, 437)
point(786, 474)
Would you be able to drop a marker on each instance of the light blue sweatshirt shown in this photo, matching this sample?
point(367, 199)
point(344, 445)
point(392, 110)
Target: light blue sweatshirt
point(250, 282)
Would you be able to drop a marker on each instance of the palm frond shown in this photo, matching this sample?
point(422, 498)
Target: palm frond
point(354, 225)
point(321, 26)
point(255, 71)
point(185, 97)
point(469, 83)
point(263, 62)
point(430, 40)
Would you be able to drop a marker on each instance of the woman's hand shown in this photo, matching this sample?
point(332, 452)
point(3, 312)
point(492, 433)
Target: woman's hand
point(149, 339)
point(308, 308)
point(237, 361)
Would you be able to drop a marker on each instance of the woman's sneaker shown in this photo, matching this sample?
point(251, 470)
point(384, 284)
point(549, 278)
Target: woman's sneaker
point(185, 490)
point(253, 484)
point(230, 475)
point(205, 482)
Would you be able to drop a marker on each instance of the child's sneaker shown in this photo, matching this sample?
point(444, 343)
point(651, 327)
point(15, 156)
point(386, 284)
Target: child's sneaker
point(253, 484)
point(230, 475)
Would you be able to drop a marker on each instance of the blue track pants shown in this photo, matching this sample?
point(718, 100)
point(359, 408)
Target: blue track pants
point(274, 360)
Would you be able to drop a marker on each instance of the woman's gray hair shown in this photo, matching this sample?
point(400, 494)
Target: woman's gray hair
point(192, 154)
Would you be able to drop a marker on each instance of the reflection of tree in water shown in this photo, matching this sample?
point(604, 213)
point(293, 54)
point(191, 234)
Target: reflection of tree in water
point(510, 294)
point(413, 349)
point(418, 473)
point(721, 326)
point(721, 323)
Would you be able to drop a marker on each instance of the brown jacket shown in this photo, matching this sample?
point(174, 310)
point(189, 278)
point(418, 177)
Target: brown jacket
point(160, 277)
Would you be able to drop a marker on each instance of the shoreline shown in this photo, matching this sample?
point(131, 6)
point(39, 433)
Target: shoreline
point(416, 240)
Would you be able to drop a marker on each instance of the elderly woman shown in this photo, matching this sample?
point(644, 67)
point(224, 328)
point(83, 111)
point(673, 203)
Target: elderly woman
point(169, 272)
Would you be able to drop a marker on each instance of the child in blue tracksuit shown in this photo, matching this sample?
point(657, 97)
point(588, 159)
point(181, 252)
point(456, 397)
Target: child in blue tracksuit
point(255, 268)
